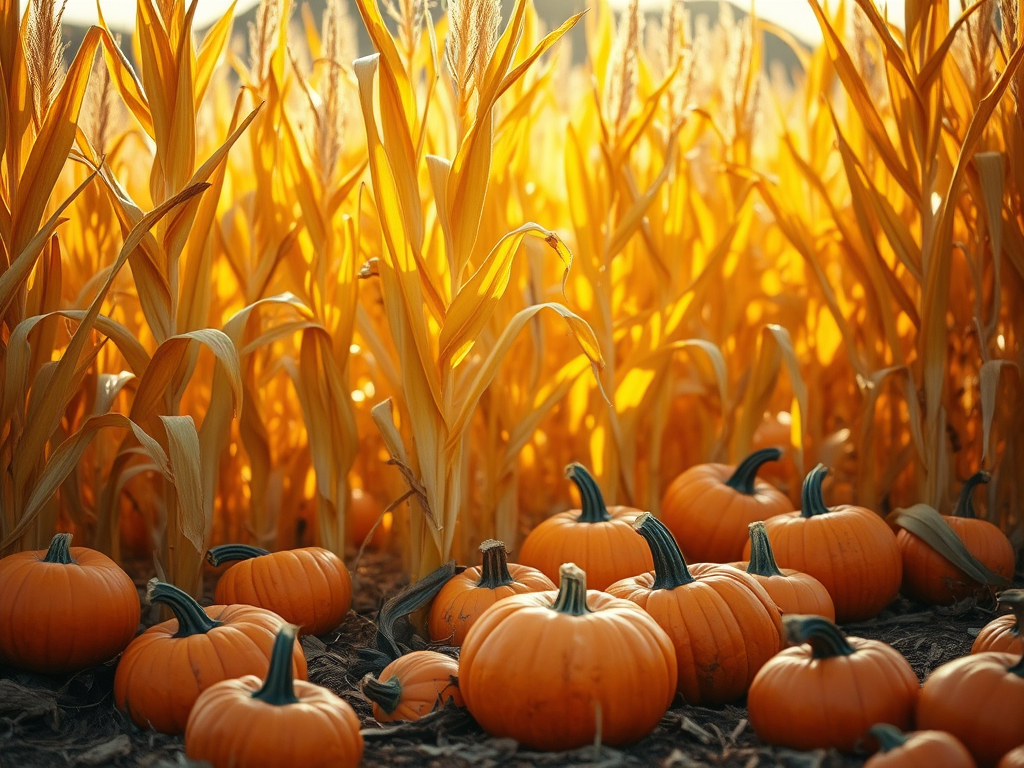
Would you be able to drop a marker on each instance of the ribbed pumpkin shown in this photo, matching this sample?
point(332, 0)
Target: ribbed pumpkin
point(709, 507)
point(598, 539)
point(792, 591)
point(1003, 634)
point(980, 700)
point(849, 549)
point(552, 669)
point(412, 686)
point(1013, 759)
point(163, 671)
point(461, 601)
point(309, 586)
point(251, 722)
point(64, 609)
point(723, 624)
point(828, 690)
point(933, 749)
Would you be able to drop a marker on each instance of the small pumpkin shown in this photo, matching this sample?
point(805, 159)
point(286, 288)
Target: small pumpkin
point(723, 624)
point(251, 722)
point(600, 540)
point(849, 549)
point(709, 507)
point(827, 690)
point(466, 595)
point(1013, 759)
point(163, 670)
point(1003, 634)
point(934, 749)
point(979, 699)
point(64, 609)
point(412, 686)
point(539, 668)
point(363, 513)
point(309, 586)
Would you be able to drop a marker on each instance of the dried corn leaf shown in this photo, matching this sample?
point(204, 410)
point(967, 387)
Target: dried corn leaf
point(186, 460)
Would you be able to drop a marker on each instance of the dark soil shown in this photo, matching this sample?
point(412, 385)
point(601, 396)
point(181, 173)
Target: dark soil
point(46, 721)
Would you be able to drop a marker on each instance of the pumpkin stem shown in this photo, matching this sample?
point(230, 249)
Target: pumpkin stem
point(572, 590)
point(387, 695)
point(494, 571)
point(1014, 600)
point(592, 508)
point(824, 637)
point(964, 504)
point(60, 550)
point(227, 552)
point(762, 559)
point(889, 737)
point(811, 501)
point(192, 619)
point(1018, 668)
point(279, 687)
point(670, 569)
point(743, 478)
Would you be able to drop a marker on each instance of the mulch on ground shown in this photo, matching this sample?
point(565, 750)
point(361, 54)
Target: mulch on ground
point(46, 721)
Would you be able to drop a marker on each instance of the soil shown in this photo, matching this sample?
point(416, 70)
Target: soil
point(46, 721)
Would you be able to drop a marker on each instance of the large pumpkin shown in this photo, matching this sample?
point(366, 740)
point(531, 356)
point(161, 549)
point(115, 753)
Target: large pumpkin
point(1013, 759)
point(412, 686)
point(933, 749)
point(64, 609)
point(849, 549)
point(598, 539)
point(539, 668)
point(1003, 634)
point(828, 690)
point(723, 624)
point(709, 507)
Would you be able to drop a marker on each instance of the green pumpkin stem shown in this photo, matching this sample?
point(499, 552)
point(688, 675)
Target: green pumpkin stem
point(592, 508)
point(1014, 600)
point(889, 737)
point(192, 619)
point(670, 569)
point(743, 478)
point(965, 504)
point(812, 502)
point(494, 571)
point(824, 637)
point(60, 550)
point(572, 590)
point(387, 695)
point(762, 559)
point(225, 553)
point(279, 687)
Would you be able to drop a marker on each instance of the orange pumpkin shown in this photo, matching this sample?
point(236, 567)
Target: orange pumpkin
point(980, 700)
point(930, 578)
point(723, 624)
point(540, 668)
point(363, 513)
point(709, 507)
point(849, 549)
point(1013, 759)
point(163, 671)
point(64, 610)
point(461, 601)
point(827, 690)
point(309, 586)
point(251, 723)
point(412, 686)
point(599, 539)
point(934, 749)
point(1004, 633)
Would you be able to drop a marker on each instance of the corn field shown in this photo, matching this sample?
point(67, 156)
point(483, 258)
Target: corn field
point(242, 278)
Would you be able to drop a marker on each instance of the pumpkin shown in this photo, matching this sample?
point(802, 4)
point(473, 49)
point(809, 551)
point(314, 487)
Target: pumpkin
point(64, 609)
point(539, 668)
point(251, 723)
point(600, 540)
point(980, 700)
point(412, 686)
point(930, 578)
point(309, 586)
point(466, 595)
point(723, 624)
point(1003, 634)
point(934, 749)
point(792, 591)
point(828, 690)
point(849, 549)
point(1013, 759)
point(709, 507)
point(163, 671)
point(362, 515)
